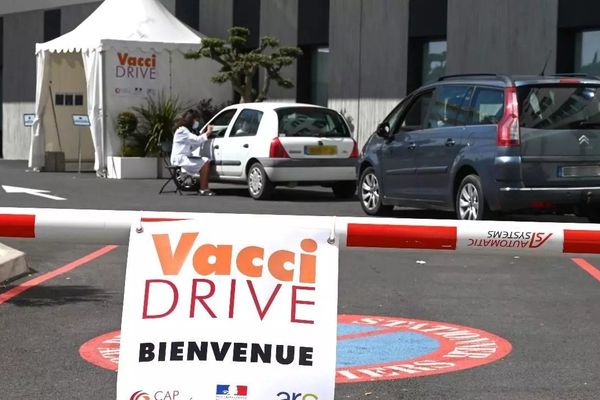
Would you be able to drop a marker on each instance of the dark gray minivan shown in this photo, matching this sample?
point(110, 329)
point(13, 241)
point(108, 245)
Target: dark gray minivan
point(479, 144)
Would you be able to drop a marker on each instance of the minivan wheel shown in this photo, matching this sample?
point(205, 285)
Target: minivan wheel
point(259, 185)
point(470, 202)
point(344, 189)
point(370, 194)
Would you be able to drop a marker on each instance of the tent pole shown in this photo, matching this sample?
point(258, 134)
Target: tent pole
point(103, 170)
point(54, 114)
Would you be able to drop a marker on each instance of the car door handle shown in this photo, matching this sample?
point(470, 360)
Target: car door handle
point(216, 146)
point(412, 146)
point(450, 142)
point(246, 146)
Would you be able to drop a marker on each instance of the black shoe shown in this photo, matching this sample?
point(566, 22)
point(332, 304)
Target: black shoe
point(206, 192)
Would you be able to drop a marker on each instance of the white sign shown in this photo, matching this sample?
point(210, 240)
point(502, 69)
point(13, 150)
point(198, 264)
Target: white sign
point(216, 312)
point(81, 120)
point(28, 119)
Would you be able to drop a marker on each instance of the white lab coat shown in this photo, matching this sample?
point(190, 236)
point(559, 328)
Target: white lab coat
point(184, 143)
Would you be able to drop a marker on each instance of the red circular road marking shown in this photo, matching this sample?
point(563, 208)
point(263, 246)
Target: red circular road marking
point(103, 351)
point(460, 347)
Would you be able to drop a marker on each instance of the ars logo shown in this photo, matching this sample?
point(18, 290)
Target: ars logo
point(296, 396)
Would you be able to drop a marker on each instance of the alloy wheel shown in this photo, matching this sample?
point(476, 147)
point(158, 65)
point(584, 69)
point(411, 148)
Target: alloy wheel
point(370, 192)
point(469, 202)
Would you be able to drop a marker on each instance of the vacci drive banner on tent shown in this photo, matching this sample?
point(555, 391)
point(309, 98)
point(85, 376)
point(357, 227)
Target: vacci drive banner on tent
point(212, 312)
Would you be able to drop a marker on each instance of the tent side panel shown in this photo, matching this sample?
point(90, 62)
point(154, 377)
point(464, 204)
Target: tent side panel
point(69, 85)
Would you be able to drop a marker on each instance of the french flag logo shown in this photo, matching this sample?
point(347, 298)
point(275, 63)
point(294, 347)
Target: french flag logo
point(232, 390)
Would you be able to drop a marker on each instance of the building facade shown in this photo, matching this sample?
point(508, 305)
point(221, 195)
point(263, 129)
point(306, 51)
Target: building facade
point(360, 56)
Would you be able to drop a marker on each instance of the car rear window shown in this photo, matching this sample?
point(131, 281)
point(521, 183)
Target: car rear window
point(311, 122)
point(559, 107)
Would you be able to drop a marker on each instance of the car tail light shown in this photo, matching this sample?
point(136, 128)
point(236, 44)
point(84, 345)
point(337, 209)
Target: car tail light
point(354, 153)
point(277, 150)
point(508, 127)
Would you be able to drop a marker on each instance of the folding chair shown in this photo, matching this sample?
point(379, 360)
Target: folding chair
point(182, 182)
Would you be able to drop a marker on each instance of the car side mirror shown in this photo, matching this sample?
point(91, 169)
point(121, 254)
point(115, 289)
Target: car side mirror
point(383, 130)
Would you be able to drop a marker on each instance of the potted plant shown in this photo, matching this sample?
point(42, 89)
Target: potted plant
point(133, 163)
point(158, 117)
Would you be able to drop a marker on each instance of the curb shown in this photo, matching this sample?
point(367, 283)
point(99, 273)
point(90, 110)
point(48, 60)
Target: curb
point(13, 263)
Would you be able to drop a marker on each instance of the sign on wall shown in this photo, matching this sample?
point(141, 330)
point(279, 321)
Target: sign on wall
point(28, 120)
point(136, 73)
point(81, 120)
point(212, 312)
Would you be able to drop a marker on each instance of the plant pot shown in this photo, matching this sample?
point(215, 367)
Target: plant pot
point(131, 167)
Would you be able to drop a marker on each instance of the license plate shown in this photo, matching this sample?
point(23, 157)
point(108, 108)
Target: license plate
point(580, 171)
point(320, 150)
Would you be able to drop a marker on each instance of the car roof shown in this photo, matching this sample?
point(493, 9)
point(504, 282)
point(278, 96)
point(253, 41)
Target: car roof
point(500, 80)
point(267, 106)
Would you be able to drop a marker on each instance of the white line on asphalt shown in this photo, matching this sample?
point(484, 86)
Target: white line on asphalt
point(33, 192)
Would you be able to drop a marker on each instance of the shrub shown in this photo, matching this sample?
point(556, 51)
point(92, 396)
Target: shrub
point(134, 144)
point(207, 109)
point(126, 124)
point(157, 120)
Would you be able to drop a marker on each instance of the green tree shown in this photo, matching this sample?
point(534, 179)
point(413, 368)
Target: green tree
point(240, 65)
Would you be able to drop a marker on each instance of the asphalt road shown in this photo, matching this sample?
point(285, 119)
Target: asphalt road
point(546, 307)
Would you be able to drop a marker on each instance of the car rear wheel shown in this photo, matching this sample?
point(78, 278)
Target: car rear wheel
point(370, 194)
point(259, 185)
point(470, 202)
point(344, 190)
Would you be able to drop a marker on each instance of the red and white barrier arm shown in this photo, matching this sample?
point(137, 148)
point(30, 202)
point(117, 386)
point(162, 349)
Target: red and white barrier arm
point(474, 237)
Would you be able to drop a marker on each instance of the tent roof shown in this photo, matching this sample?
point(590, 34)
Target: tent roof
point(146, 23)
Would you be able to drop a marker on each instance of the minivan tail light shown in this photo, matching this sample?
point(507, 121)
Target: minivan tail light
point(354, 153)
point(277, 150)
point(508, 134)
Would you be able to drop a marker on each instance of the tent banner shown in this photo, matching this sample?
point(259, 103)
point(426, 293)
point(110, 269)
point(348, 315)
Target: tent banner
point(136, 73)
point(216, 312)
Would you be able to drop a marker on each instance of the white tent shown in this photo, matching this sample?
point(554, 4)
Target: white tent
point(124, 52)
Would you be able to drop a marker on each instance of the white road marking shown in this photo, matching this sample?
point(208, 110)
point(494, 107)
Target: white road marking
point(33, 192)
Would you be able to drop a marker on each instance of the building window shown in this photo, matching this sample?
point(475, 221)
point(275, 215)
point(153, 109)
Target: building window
point(434, 60)
point(319, 75)
point(587, 52)
point(68, 99)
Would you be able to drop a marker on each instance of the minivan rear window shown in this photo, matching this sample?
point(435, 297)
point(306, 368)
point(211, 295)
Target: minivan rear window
point(311, 122)
point(559, 107)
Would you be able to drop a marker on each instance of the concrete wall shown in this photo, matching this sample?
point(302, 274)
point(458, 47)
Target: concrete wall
point(279, 18)
point(17, 6)
point(216, 17)
point(510, 36)
point(21, 32)
point(368, 44)
point(72, 16)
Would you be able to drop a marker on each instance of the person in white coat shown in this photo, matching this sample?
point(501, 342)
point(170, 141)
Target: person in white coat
point(185, 142)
